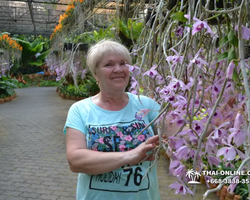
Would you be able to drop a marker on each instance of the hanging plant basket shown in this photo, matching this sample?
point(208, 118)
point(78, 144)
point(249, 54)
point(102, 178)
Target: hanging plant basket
point(83, 47)
point(71, 46)
point(1, 51)
point(68, 46)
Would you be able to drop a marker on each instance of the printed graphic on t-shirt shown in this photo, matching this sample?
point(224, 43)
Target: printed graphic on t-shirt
point(124, 179)
point(119, 137)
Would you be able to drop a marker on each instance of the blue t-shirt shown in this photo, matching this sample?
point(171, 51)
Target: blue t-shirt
point(115, 131)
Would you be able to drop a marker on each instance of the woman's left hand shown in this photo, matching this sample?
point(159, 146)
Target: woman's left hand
point(141, 152)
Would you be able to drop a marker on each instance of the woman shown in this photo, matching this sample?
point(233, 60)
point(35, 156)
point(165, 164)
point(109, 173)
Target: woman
point(101, 133)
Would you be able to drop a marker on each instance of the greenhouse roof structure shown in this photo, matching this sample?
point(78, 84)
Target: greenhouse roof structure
point(32, 17)
point(36, 17)
point(39, 17)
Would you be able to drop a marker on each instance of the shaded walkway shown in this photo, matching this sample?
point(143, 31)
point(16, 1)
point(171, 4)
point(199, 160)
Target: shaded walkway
point(33, 162)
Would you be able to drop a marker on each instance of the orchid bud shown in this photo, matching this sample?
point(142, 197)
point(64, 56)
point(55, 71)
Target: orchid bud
point(238, 120)
point(230, 69)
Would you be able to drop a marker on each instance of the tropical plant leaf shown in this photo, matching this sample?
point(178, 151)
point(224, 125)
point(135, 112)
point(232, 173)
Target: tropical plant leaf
point(135, 29)
point(43, 55)
point(123, 28)
point(36, 63)
point(101, 33)
point(235, 76)
point(3, 78)
point(224, 40)
point(95, 34)
point(38, 48)
point(222, 56)
point(232, 38)
point(25, 44)
point(179, 16)
point(232, 54)
point(10, 91)
point(6, 84)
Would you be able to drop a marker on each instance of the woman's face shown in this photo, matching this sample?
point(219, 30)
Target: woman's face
point(112, 73)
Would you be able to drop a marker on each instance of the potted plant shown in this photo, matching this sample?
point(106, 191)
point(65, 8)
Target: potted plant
point(241, 191)
point(83, 47)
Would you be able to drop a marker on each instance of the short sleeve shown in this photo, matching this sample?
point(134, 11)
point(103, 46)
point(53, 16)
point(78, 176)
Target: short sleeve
point(74, 119)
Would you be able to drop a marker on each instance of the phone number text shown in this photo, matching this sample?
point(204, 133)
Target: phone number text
point(228, 181)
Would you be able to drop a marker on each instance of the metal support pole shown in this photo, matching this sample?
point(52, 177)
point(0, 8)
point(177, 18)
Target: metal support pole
point(32, 16)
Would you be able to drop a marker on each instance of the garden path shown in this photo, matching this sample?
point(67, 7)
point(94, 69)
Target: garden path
point(33, 163)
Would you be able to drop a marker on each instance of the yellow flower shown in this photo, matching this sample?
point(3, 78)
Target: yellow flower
point(10, 42)
point(58, 28)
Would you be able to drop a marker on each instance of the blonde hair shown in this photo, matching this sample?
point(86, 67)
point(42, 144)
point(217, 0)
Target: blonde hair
point(103, 48)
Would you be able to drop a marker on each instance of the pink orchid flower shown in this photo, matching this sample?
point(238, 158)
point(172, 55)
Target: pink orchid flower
point(134, 83)
point(207, 180)
point(152, 72)
point(229, 153)
point(237, 135)
point(220, 131)
point(160, 79)
point(210, 146)
point(198, 61)
point(230, 70)
point(213, 161)
point(233, 185)
point(229, 165)
point(245, 32)
point(176, 84)
point(134, 70)
point(173, 165)
point(180, 171)
point(199, 25)
point(178, 31)
point(181, 188)
point(183, 153)
point(166, 93)
point(173, 60)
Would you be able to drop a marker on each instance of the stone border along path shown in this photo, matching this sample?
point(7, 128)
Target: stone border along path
point(33, 163)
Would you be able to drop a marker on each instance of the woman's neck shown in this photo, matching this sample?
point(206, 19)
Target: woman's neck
point(111, 102)
point(112, 99)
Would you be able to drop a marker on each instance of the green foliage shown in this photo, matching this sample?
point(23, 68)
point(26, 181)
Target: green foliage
point(179, 16)
point(88, 88)
point(242, 190)
point(232, 54)
point(72, 90)
point(48, 83)
point(86, 37)
point(223, 41)
point(222, 56)
point(7, 86)
point(222, 167)
point(103, 34)
point(236, 76)
point(32, 82)
point(22, 85)
point(232, 38)
point(33, 52)
point(131, 29)
point(92, 37)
